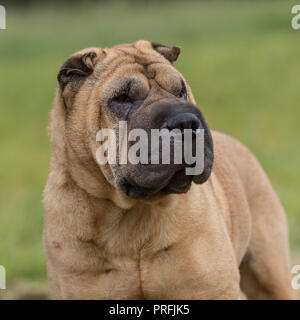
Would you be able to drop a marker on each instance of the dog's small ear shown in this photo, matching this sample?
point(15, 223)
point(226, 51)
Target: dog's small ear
point(75, 71)
point(77, 67)
point(170, 53)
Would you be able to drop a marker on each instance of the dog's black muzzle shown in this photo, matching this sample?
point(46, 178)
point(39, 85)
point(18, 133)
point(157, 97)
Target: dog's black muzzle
point(146, 180)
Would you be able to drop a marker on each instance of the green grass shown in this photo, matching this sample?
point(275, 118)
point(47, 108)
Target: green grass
point(241, 59)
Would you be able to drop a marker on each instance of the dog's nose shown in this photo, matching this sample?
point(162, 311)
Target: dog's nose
point(184, 121)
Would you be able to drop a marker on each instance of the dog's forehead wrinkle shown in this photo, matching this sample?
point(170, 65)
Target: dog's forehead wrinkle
point(105, 71)
point(160, 88)
point(127, 55)
point(143, 58)
point(123, 51)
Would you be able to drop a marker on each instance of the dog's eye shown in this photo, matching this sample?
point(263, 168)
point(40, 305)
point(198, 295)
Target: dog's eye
point(122, 98)
point(122, 105)
point(183, 94)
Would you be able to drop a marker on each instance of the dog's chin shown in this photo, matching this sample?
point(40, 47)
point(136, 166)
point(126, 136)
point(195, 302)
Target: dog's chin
point(178, 183)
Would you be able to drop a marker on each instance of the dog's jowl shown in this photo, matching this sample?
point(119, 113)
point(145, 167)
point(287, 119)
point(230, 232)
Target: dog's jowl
point(148, 230)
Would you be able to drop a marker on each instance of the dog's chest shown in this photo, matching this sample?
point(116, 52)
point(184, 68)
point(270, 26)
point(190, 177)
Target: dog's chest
point(125, 254)
point(137, 231)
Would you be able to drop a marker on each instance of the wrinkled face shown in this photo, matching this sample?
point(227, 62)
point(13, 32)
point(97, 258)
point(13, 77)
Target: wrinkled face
point(136, 83)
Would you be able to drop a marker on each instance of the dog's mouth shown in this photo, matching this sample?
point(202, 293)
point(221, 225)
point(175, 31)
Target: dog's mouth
point(178, 182)
point(148, 181)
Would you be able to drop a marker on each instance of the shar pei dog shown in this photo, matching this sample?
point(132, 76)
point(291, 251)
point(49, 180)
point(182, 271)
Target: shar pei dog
point(152, 231)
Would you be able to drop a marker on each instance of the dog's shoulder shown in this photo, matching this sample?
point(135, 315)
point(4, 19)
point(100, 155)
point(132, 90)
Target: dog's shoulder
point(234, 161)
point(227, 145)
point(233, 157)
point(227, 148)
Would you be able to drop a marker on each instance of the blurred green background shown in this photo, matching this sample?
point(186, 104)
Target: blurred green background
point(241, 59)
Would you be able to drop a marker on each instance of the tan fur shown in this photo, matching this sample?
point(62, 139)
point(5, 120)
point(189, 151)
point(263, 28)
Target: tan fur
point(101, 244)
